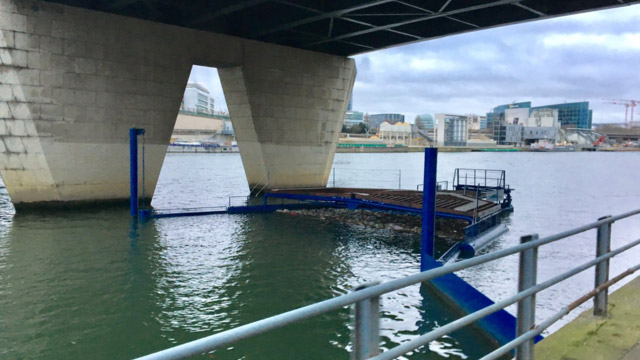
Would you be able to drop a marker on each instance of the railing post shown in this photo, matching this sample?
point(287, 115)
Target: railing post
point(475, 213)
point(428, 233)
point(133, 169)
point(399, 179)
point(527, 307)
point(366, 330)
point(465, 184)
point(603, 246)
point(334, 177)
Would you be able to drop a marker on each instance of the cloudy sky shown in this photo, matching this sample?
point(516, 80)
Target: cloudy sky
point(591, 56)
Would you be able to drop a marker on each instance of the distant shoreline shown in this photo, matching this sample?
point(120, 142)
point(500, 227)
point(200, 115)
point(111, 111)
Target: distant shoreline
point(405, 149)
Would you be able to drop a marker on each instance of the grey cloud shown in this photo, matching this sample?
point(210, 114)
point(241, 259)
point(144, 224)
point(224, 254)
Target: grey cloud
point(497, 66)
point(521, 67)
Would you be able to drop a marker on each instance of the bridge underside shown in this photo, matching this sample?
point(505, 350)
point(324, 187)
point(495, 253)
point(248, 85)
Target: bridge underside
point(74, 79)
point(342, 27)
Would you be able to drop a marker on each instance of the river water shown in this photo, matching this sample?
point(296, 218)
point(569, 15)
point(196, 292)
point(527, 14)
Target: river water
point(94, 284)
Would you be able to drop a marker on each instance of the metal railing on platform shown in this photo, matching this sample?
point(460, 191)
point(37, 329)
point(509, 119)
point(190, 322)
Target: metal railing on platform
point(484, 178)
point(365, 298)
point(239, 200)
point(440, 185)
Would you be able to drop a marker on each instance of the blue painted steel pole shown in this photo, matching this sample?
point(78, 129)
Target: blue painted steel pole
point(133, 169)
point(428, 206)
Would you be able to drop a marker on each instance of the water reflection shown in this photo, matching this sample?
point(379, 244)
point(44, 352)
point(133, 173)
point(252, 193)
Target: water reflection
point(94, 284)
point(73, 286)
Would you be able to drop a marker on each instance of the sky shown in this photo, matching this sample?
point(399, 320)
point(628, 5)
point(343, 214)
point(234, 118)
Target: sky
point(585, 57)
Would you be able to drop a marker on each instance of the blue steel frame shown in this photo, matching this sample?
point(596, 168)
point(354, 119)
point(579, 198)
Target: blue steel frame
point(133, 169)
point(428, 234)
point(360, 203)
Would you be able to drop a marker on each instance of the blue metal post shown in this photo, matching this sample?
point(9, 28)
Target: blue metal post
point(133, 169)
point(428, 206)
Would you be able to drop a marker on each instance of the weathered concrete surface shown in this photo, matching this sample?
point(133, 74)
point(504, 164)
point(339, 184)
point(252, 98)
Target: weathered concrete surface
point(287, 113)
point(73, 81)
point(613, 337)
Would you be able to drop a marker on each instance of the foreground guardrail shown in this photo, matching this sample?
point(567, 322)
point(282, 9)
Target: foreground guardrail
point(366, 300)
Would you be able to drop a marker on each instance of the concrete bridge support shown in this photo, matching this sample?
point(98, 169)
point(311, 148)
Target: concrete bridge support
point(287, 112)
point(73, 81)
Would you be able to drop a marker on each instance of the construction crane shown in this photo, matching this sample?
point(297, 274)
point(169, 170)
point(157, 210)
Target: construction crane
point(627, 104)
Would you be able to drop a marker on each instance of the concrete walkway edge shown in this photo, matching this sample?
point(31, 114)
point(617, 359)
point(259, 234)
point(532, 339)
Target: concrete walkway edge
point(614, 337)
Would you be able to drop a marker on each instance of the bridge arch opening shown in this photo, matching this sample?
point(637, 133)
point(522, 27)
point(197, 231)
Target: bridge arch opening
point(202, 142)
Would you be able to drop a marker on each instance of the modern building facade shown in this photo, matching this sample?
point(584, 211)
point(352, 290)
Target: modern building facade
point(477, 122)
point(507, 134)
point(197, 99)
point(353, 118)
point(498, 113)
point(543, 117)
point(425, 122)
point(531, 134)
point(453, 130)
point(200, 127)
point(572, 115)
point(376, 119)
point(541, 125)
point(517, 116)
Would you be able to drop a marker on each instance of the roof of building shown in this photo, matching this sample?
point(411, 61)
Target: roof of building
point(198, 86)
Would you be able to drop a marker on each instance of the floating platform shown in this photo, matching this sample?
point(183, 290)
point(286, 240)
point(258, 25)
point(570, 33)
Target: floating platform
point(477, 196)
point(456, 204)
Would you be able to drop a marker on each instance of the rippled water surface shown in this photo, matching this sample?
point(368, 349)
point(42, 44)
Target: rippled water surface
point(94, 284)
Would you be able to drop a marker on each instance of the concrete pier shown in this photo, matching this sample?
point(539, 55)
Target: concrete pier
point(614, 337)
point(73, 81)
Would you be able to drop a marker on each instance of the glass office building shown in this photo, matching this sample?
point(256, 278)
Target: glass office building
point(353, 118)
point(425, 122)
point(376, 119)
point(572, 115)
point(498, 112)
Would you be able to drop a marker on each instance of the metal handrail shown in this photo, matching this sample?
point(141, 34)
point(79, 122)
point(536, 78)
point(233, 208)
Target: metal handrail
point(476, 176)
point(265, 175)
point(527, 249)
point(233, 202)
point(439, 188)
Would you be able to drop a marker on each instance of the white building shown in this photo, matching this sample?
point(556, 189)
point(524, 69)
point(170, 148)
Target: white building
point(476, 122)
point(543, 118)
point(398, 133)
point(197, 99)
point(516, 116)
point(453, 130)
point(542, 126)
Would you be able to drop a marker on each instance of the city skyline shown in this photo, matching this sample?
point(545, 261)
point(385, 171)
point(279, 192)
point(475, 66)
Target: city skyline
point(585, 57)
